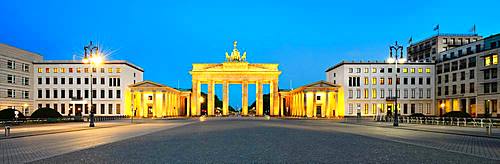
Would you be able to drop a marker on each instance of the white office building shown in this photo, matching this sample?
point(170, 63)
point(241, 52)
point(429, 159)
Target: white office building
point(369, 87)
point(64, 85)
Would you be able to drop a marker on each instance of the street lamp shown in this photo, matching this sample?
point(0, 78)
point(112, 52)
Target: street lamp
point(442, 108)
point(94, 59)
point(396, 59)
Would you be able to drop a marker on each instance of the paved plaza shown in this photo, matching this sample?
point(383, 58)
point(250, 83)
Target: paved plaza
point(249, 140)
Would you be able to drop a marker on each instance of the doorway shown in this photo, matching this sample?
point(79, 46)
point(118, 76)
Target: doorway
point(150, 111)
point(318, 111)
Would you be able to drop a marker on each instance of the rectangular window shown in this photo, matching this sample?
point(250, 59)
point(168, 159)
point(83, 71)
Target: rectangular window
point(47, 70)
point(70, 70)
point(374, 70)
point(390, 81)
point(118, 111)
point(487, 61)
point(102, 109)
point(56, 70)
point(427, 70)
point(358, 93)
point(63, 80)
point(412, 70)
point(110, 70)
point(11, 64)
point(350, 106)
point(366, 93)
point(86, 94)
point(374, 93)
point(102, 80)
point(428, 81)
point(420, 70)
point(350, 94)
point(110, 94)
point(78, 81)
point(471, 87)
point(55, 80)
point(374, 81)
point(39, 93)
point(40, 70)
point(366, 108)
point(382, 93)
point(47, 93)
point(78, 70)
point(63, 70)
point(382, 81)
point(110, 108)
point(366, 70)
point(70, 80)
point(366, 81)
point(55, 93)
point(11, 79)
point(26, 67)
point(63, 93)
point(11, 93)
point(102, 70)
point(405, 70)
point(102, 94)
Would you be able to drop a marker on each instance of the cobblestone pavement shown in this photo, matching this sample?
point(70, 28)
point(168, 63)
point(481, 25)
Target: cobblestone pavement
point(26, 149)
point(288, 141)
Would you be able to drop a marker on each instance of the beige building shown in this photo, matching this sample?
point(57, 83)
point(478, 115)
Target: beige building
point(16, 78)
point(428, 49)
point(150, 99)
point(319, 99)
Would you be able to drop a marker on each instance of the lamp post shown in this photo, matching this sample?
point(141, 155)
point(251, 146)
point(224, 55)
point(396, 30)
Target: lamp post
point(94, 59)
point(396, 59)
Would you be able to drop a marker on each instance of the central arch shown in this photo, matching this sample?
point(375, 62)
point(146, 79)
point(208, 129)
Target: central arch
point(235, 70)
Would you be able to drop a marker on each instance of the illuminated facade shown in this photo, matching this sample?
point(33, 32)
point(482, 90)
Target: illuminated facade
point(235, 70)
point(319, 99)
point(149, 99)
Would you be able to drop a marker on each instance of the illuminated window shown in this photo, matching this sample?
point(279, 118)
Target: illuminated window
point(366, 93)
point(374, 81)
point(374, 108)
point(47, 70)
point(495, 59)
point(63, 70)
point(427, 70)
point(413, 70)
point(366, 108)
point(405, 70)
point(367, 70)
point(118, 70)
point(420, 70)
point(40, 70)
point(94, 70)
point(366, 81)
point(374, 70)
point(78, 70)
point(110, 70)
point(102, 70)
point(382, 81)
point(374, 93)
point(56, 70)
point(390, 81)
point(86, 70)
point(70, 70)
point(487, 61)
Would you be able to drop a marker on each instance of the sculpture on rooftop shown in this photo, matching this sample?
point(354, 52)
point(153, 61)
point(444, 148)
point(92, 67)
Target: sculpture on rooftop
point(235, 54)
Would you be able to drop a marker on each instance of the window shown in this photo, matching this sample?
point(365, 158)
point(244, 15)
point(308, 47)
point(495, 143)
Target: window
point(428, 93)
point(40, 70)
point(110, 70)
point(63, 80)
point(94, 70)
point(486, 74)
point(389, 70)
point(382, 81)
point(118, 95)
point(454, 76)
point(119, 70)
point(102, 80)
point(446, 90)
point(495, 59)
point(366, 81)
point(438, 91)
point(55, 80)
point(102, 94)
point(63, 93)
point(358, 93)
point(420, 80)
point(382, 93)
point(382, 70)
point(110, 108)
point(102, 109)
point(47, 93)
point(86, 80)
point(11, 64)
point(86, 70)
point(86, 93)
point(94, 80)
point(78, 70)
point(439, 79)
point(420, 93)
point(70, 70)
point(47, 80)
point(405, 70)
point(56, 70)
point(374, 70)
point(366, 93)
point(412, 81)
point(366, 70)
point(412, 70)
point(26, 94)
point(350, 106)
point(366, 108)
point(427, 70)
point(428, 81)
point(11, 79)
point(55, 93)
point(39, 93)
point(454, 89)
point(26, 67)
point(374, 93)
point(63, 70)
point(413, 93)
point(358, 70)
point(118, 109)
point(486, 88)
point(462, 75)
point(110, 94)
point(390, 81)
point(350, 94)
point(70, 80)
point(487, 61)
point(420, 70)
point(102, 70)
point(374, 108)
point(462, 88)
point(374, 81)
point(471, 87)
point(78, 81)
point(94, 94)
point(11, 93)
point(405, 93)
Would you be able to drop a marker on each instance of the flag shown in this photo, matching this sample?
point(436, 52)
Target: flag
point(410, 40)
point(473, 29)
point(436, 28)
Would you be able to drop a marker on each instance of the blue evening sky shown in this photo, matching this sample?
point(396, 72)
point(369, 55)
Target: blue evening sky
point(304, 37)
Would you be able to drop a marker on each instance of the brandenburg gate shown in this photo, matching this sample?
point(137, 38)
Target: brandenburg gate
point(235, 70)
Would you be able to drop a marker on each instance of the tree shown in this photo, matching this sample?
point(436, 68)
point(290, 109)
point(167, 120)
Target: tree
point(266, 101)
point(9, 114)
point(46, 113)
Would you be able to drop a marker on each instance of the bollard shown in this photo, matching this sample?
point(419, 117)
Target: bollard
point(7, 130)
point(488, 129)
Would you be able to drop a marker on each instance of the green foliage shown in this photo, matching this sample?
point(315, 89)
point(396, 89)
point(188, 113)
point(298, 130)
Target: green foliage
point(46, 113)
point(8, 114)
point(456, 114)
